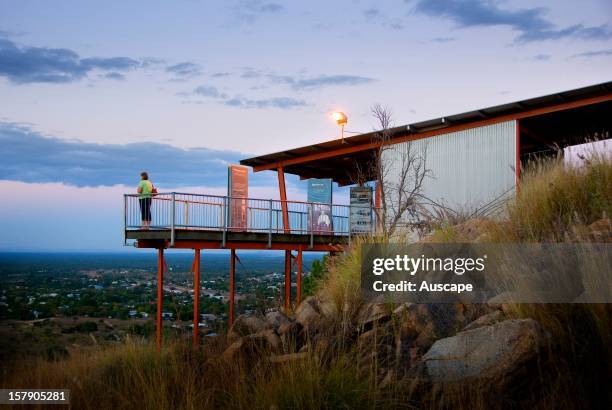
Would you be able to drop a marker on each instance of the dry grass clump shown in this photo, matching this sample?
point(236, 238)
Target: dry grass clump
point(556, 202)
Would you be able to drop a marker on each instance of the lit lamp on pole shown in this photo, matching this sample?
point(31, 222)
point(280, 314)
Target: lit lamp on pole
point(341, 119)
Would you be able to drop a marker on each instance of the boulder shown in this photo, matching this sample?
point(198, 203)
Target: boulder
point(493, 352)
point(291, 336)
point(422, 324)
point(505, 301)
point(326, 304)
point(275, 319)
point(245, 325)
point(249, 348)
point(272, 340)
point(376, 348)
point(233, 351)
point(371, 313)
point(403, 307)
point(485, 320)
point(307, 313)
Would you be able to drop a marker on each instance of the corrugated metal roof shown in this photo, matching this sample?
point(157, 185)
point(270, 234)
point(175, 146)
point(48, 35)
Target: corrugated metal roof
point(490, 113)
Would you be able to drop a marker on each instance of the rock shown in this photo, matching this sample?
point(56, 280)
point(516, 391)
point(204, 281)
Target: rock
point(326, 305)
point(307, 312)
point(369, 314)
point(486, 320)
point(288, 358)
point(272, 340)
point(322, 344)
point(291, 336)
point(401, 309)
point(376, 348)
point(492, 352)
point(245, 325)
point(275, 319)
point(232, 351)
point(504, 301)
point(422, 324)
point(249, 348)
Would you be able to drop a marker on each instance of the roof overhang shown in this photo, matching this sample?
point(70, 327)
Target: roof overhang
point(345, 161)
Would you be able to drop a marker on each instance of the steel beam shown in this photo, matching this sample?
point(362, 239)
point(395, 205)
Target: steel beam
point(232, 286)
point(287, 281)
point(299, 276)
point(518, 155)
point(196, 297)
point(160, 297)
point(194, 244)
point(283, 197)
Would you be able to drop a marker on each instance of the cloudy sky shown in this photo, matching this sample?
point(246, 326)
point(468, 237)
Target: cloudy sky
point(92, 93)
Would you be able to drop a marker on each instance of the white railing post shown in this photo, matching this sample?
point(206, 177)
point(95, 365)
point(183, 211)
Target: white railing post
point(225, 217)
point(173, 220)
point(311, 223)
point(270, 223)
point(125, 220)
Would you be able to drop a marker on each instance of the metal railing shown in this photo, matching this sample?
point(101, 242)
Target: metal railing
point(182, 211)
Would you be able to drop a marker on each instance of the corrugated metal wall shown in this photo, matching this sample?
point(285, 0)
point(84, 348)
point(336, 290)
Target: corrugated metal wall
point(469, 168)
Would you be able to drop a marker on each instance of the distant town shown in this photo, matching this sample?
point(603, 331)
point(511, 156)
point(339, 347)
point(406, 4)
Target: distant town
point(80, 297)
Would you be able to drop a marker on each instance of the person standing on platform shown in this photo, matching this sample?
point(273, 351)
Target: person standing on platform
point(145, 190)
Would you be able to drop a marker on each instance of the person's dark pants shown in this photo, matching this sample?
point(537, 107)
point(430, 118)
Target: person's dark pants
point(145, 209)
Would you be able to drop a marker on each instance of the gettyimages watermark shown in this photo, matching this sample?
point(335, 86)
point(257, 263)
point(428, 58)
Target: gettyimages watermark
point(479, 273)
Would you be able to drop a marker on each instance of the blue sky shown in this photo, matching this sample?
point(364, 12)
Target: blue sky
point(91, 93)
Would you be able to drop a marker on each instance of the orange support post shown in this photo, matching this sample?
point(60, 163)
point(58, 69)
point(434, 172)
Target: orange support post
point(518, 155)
point(196, 298)
point(231, 286)
point(160, 296)
point(283, 197)
point(299, 276)
point(287, 280)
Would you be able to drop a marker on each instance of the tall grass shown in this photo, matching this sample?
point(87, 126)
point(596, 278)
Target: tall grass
point(556, 202)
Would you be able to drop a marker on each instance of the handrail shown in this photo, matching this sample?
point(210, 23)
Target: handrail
point(174, 211)
point(289, 201)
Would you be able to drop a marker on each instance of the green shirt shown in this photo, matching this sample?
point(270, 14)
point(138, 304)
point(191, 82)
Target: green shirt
point(147, 188)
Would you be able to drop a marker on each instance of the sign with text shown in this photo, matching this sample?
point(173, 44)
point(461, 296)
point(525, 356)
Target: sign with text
point(361, 210)
point(320, 193)
point(487, 273)
point(238, 192)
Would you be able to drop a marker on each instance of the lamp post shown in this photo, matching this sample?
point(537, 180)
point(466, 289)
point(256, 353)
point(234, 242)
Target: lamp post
point(341, 119)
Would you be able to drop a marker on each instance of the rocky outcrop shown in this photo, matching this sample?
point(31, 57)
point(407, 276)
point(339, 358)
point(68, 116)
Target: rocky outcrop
point(493, 352)
point(437, 343)
point(245, 325)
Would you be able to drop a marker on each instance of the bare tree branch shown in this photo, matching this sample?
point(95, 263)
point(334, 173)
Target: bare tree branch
point(400, 170)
